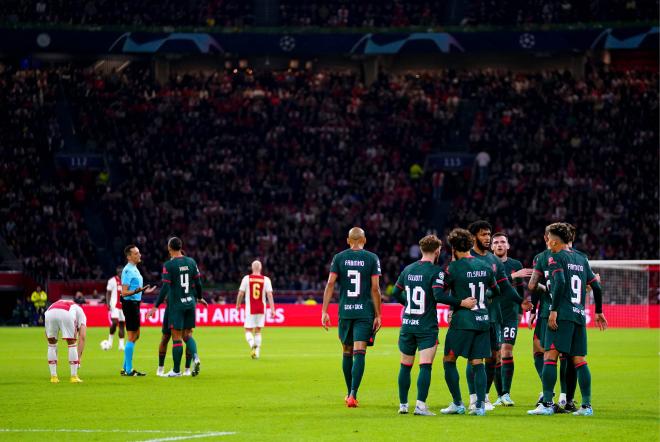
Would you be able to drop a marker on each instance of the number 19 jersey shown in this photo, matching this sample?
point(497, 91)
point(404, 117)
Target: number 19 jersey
point(416, 283)
point(354, 269)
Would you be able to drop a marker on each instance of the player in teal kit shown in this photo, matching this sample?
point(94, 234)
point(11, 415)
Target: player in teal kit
point(182, 287)
point(470, 281)
point(358, 273)
point(570, 274)
point(419, 325)
point(510, 317)
point(481, 231)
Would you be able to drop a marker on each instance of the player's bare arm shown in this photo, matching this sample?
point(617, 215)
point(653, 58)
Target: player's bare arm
point(239, 299)
point(327, 296)
point(271, 303)
point(523, 273)
point(82, 338)
point(376, 298)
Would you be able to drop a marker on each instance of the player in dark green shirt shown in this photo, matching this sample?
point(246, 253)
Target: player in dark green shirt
point(182, 286)
point(570, 274)
point(358, 273)
point(419, 323)
point(510, 317)
point(468, 278)
point(481, 231)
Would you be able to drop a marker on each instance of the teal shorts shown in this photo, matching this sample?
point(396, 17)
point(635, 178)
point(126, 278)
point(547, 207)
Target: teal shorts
point(540, 330)
point(495, 333)
point(165, 329)
point(409, 343)
point(181, 319)
point(570, 338)
point(509, 332)
point(470, 344)
point(358, 329)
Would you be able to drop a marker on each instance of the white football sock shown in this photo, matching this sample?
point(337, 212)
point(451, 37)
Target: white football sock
point(257, 339)
point(421, 405)
point(121, 342)
point(562, 397)
point(249, 337)
point(473, 398)
point(52, 359)
point(73, 359)
point(110, 340)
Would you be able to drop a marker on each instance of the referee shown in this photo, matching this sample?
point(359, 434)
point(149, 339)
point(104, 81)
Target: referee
point(131, 295)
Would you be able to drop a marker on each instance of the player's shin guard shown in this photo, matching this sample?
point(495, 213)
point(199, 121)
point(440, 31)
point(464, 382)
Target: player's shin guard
point(451, 377)
point(490, 373)
point(347, 368)
point(469, 377)
point(549, 380)
point(538, 363)
point(404, 382)
point(498, 379)
point(52, 359)
point(177, 354)
point(480, 383)
point(73, 359)
point(358, 371)
point(249, 337)
point(571, 381)
point(424, 381)
point(191, 346)
point(128, 356)
point(584, 378)
point(507, 374)
point(563, 364)
point(188, 358)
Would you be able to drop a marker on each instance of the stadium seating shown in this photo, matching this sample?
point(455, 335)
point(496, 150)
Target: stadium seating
point(335, 13)
point(279, 165)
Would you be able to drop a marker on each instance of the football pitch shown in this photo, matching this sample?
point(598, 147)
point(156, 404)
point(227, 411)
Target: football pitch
point(296, 392)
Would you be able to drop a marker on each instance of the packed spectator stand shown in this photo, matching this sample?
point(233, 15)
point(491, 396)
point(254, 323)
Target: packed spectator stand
point(324, 14)
point(278, 165)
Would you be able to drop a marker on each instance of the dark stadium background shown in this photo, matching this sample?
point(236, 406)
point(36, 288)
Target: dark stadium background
point(268, 128)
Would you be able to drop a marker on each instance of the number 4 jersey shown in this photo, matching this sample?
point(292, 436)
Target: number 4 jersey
point(182, 283)
point(354, 269)
point(414, 289)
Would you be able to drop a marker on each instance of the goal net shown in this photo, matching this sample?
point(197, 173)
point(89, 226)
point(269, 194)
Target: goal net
point(630, 292)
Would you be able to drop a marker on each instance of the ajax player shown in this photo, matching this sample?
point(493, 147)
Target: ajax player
point(113, 300)
point(254, 287)
point(66, 317)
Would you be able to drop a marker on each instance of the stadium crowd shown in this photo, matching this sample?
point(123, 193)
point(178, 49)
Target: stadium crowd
point(318, 13)
point(279, 165)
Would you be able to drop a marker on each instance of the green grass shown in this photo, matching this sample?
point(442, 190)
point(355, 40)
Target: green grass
point(295, 392)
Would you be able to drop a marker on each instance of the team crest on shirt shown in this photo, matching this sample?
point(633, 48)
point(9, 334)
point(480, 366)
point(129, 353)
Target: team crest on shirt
point(551, 261)
point(494, 267)
point(441, 277)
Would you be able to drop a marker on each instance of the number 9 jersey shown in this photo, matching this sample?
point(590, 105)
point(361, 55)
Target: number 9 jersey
point(577, 274)
point(354, 269)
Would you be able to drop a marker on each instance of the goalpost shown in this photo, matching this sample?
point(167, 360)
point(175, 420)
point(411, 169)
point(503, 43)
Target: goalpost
point(631, 291)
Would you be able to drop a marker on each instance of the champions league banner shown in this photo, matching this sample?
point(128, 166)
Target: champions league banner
point(294, 315)
point(27, 41)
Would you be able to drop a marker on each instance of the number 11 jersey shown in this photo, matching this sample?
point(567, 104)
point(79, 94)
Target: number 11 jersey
point(354, 269)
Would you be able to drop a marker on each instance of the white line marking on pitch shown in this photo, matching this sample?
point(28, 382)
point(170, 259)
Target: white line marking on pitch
point(196, 436)
point(189, 434)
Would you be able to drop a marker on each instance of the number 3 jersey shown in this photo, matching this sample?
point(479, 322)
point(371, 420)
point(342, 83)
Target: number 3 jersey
point(465, 278)
point(255, 288)
point(182, 283)
point(576, 272)
point(414, 289)
point(354, 269)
